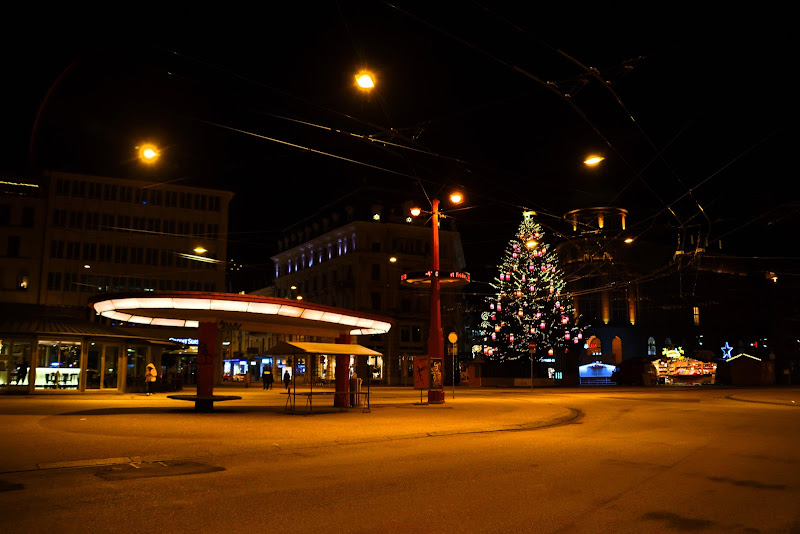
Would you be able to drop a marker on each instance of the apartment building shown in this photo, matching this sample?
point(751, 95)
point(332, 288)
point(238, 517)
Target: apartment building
point(65, 237)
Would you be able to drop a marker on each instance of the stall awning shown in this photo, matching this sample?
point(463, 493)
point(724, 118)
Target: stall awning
point(285, 348)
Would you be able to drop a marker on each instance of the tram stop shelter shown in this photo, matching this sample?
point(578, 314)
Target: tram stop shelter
point(341, 382)
point(206, 311)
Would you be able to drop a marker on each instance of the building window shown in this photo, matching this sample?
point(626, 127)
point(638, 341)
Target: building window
point(375, 300)
point(92, 220)
point(696, 315)
point(54, 281)
point(121, 255)
point(28, 216)
point(56, 249)
point(78, 188)
point(89, 251)
point(73, 250)
point(62, 187)
point(405, 334)
point(104, 252)
point(13, 246)
point(110, 192)
point(60, 218)
point(416, 334)
point(376, 271)
point(123, 223)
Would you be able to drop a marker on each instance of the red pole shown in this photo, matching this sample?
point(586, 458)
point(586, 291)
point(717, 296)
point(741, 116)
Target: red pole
point(206, 356)
point(342, 375)
point(435, 336)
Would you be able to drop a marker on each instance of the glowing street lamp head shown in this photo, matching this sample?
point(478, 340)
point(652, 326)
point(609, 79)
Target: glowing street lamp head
point(200, 250)
point(456, 197)
point(365, 80)
point(415, 212)
point(148, 153)
point(593, 160)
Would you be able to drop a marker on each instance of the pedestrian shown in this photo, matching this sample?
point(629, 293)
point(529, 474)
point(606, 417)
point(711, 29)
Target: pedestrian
point(247, 379)
point(266, 378)
point(22, 372)
point(286, 379)
point(150, 376)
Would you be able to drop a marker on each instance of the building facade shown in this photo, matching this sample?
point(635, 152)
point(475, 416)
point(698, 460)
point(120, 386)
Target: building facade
point(65, 237)
point(354, 255)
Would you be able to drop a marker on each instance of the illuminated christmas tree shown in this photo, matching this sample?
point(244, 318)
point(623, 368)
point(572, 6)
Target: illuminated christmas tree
point(530, 307)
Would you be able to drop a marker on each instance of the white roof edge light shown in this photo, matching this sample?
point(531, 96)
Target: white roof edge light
point(329, 317)
point(348, 320)
point(103, 306)
point(313, 315)
point(109, 308)
point(116, 315)
point(263, 308)
point(290, 311)
point(126, 304)
point(228, 305)
point(191, 304)
point(157, 302)
point(168, 322)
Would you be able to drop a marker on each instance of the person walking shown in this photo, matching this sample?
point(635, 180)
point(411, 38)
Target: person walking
point(286, 379)
point(266, 378)
point(150, 376)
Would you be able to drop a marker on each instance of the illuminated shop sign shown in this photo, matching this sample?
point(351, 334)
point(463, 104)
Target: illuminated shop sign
point(185, 340)
point(425, 277)
point(676, 352)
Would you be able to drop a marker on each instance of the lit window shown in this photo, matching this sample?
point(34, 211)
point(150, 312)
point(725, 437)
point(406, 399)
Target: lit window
point(696, 314)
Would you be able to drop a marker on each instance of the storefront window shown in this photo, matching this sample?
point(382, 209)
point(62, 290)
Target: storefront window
point(136, 356)
point(5, 363)
point(94, 367)
point(376, 366)
point(58, 365)
point(15, 358)
point(110, 365)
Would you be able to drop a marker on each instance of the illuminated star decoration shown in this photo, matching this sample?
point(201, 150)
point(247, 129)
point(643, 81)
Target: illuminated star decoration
point(726, 351)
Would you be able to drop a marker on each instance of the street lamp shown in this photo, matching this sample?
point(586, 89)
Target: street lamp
point(593, 160)
point(148, 153)
point(435, 337)
point(365, 80)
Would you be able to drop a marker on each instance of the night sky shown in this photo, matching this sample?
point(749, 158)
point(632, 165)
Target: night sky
point(694, 111)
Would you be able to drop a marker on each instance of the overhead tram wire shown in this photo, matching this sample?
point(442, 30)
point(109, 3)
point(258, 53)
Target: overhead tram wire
point(550, 86)
point(373, 138)
point(594, 73)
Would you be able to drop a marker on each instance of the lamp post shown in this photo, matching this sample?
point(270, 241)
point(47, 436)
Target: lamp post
point(435, 336)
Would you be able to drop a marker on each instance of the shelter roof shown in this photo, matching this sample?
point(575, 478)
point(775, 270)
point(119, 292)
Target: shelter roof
point(285, 348)
point(249, 312)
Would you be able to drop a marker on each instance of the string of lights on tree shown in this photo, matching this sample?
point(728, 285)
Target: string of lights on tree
point(530, 308)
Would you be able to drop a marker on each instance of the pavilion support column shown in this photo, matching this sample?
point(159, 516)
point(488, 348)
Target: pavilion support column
point(206, 357)
point(342, 375)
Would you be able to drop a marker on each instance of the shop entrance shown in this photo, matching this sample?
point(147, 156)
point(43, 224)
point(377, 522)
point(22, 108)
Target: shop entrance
point(102, 366)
